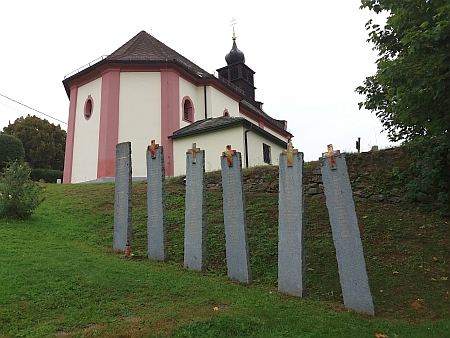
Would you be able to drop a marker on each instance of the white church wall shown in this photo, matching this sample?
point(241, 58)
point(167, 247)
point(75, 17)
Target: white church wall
point(139, 114)
point(190, 90)
point(200, 103)
point(220, 102)
point(255, 145)
point(275, 134)
point(249, 119)
point(213, 143)
point(85, 147)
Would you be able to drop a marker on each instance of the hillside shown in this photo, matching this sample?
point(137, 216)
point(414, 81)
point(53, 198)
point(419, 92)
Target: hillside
point(59, 274)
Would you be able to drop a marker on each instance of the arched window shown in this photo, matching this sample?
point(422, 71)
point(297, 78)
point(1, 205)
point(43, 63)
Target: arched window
point(88, 107)
point(188, 109)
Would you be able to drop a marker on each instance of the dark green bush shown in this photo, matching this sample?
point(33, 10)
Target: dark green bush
point(19, 195)
point(47, 175)
point(11, 149)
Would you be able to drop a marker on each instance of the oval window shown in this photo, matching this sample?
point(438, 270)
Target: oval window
point(88, 108)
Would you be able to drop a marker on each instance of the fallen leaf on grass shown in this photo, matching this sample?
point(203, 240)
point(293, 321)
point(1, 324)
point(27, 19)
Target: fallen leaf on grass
point(444, 278)
point(433, 278)
point(365, 217)
point(435, 259)
point(395, 272)
point(216, 308)
point(381, 335)
point(417, 303)
point(310, 269)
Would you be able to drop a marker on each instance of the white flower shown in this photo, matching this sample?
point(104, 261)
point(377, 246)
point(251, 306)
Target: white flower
point(10, 196)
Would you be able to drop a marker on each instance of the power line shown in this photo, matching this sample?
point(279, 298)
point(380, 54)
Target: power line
point(6, 97)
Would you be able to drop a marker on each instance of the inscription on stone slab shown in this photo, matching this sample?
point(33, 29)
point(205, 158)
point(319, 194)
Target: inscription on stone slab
point(195, 211)
point(237, 252)
point(346, 235)
point(156, 204)
point(291, 256)
point(122, 197)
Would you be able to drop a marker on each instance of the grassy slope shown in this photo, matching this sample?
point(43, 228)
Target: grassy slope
point(59, 276)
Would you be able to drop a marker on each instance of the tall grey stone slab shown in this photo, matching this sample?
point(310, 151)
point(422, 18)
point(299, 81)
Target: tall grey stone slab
point(156, 204)
point(291, 252)
point(195, 212)
point(122, 197)
point(346, 235)
point(237, 253)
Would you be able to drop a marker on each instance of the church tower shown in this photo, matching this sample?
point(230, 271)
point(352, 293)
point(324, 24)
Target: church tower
point(238, 73)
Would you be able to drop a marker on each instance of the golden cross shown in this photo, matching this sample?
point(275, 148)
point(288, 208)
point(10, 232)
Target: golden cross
point(194, 152)
point(229, 153)
point(153, 148)
point(331, 154)
point(289, 152)
point(233, 23)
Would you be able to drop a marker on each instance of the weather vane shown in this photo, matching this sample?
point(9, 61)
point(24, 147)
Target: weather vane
point(233, 23)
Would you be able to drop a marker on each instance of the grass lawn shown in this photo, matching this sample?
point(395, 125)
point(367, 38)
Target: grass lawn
point(59, 277)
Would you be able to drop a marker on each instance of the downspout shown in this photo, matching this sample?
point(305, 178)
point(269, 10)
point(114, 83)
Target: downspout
point(246, 144)
point(204, 94)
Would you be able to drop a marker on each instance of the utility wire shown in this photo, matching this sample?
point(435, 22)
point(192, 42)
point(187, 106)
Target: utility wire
point(6, 97)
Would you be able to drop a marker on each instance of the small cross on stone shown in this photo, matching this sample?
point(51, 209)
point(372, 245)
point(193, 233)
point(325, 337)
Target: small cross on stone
point(194, 152)
point(229, 155)
point(330, 154)
point(152, 147)
point(289, 152)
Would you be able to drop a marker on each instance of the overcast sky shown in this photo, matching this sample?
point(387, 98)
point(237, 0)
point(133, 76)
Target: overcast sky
point(309, 56)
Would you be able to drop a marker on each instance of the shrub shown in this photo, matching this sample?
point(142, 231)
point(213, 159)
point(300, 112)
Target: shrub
point(11, 149)
point(48, 175)
point(19, 195)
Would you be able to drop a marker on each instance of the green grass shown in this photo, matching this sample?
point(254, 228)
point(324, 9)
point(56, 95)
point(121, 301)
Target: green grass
point(59, 276)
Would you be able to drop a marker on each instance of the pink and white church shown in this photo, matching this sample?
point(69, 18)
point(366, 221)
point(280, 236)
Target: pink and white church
point(147, 91)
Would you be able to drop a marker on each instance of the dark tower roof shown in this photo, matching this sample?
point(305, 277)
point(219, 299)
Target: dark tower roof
point(235, 55)
point(145, 47)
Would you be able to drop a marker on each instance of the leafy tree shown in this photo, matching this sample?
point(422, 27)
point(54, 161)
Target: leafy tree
point(44, 142)
point(410, 92)
point(19, 195)
point(11, 149)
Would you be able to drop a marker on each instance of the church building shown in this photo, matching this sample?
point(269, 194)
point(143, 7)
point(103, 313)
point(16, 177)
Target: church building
point(147, 91)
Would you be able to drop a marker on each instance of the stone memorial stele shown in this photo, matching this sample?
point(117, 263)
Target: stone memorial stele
point(122, 197)
point(156, 203)
point(291, 254)
point(346, 235)
point(237, 253)
point(195, 210)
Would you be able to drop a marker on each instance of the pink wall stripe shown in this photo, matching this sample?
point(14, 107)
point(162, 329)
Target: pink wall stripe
point(68, 158)
point(170, 114)
point(109, 124)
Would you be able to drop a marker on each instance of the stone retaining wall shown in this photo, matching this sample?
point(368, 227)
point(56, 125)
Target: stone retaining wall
point(369, 175)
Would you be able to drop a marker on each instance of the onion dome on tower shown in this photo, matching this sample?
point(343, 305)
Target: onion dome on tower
point(235, 55)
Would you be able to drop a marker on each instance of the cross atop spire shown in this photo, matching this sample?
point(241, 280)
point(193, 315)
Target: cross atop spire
point(233, 23)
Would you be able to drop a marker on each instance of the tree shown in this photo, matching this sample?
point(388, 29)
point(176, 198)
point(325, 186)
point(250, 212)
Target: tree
point(44, 142)
point(410, 92)
point(11, 149)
